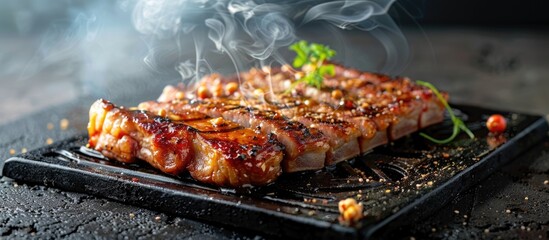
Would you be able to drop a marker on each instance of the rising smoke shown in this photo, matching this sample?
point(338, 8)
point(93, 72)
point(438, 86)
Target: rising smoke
point(253, 33)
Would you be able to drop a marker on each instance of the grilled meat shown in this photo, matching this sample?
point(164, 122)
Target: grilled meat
point(305, 148)
point(214, 130)
point(363, 107)
point(213, 151)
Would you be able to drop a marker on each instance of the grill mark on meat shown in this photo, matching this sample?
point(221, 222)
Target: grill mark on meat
point(399, 97)
point(230, 158)
point(305, 148)
point(311, 123)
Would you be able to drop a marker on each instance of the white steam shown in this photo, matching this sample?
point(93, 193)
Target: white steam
point(250, 32)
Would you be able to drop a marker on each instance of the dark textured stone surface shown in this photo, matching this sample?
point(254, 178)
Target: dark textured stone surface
point(499, 69)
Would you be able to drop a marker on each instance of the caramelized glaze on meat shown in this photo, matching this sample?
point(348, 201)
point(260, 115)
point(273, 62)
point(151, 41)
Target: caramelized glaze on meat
point(246, 128)
point(232, 156)
point(305, 148)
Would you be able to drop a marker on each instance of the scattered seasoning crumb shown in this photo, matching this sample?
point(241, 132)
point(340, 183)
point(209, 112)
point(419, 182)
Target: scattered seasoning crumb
point(528, 229)
point(350, 211)
point(358, 195)
point(465, 216)
point(526, 198)
point(49, 141)
point(23, 150)
point(486, 230)
point(430, 183)
point(412, 238)
point(134, 179)
point(388, 191)
point(64, 124)
point(361, 180)
point(50, 126)
point(445, 155)
point(15, 185)
point(507, 211)
point(456, 211)
point(429, 156)
point(132, 215)
point(12, 151)
point(157, 218)
point(311, 213)
point(522, 227)
point(546, 182)
point(433, 229)
point(464, 223)
point(314, 200)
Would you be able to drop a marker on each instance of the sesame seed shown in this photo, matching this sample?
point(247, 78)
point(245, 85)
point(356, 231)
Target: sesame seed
point(23, 150)
point(12, 151)
point(49, 141)
point(64, 124)
point(507, 211)
point(456, 211)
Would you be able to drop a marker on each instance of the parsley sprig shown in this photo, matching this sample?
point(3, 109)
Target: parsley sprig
point(310, 57)
point(459, 125)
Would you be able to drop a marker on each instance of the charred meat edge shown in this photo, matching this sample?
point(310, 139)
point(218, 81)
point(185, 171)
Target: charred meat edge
point(234, 157)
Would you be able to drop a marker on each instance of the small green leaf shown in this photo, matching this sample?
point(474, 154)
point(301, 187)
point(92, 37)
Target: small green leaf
point(459, 125)
point(313, 54)
point(298, 62)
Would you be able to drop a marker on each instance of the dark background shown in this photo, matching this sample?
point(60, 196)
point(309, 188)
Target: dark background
point(471, 13)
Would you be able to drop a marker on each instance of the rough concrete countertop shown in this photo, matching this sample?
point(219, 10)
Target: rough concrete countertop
point(495, 68)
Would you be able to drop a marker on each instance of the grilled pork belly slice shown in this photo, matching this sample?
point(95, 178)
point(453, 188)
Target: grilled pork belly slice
point(364, 128)
point(305, 148)
point(412, 105)
point(377, 107)
point(432, 110)
point(213, 151)
point(343, 135)
point(382, 97)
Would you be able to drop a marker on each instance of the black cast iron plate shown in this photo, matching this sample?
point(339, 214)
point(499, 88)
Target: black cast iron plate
point(398, 183)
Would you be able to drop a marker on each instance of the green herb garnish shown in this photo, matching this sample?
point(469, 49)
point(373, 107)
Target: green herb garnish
point(311, 57)
point(459, 125)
